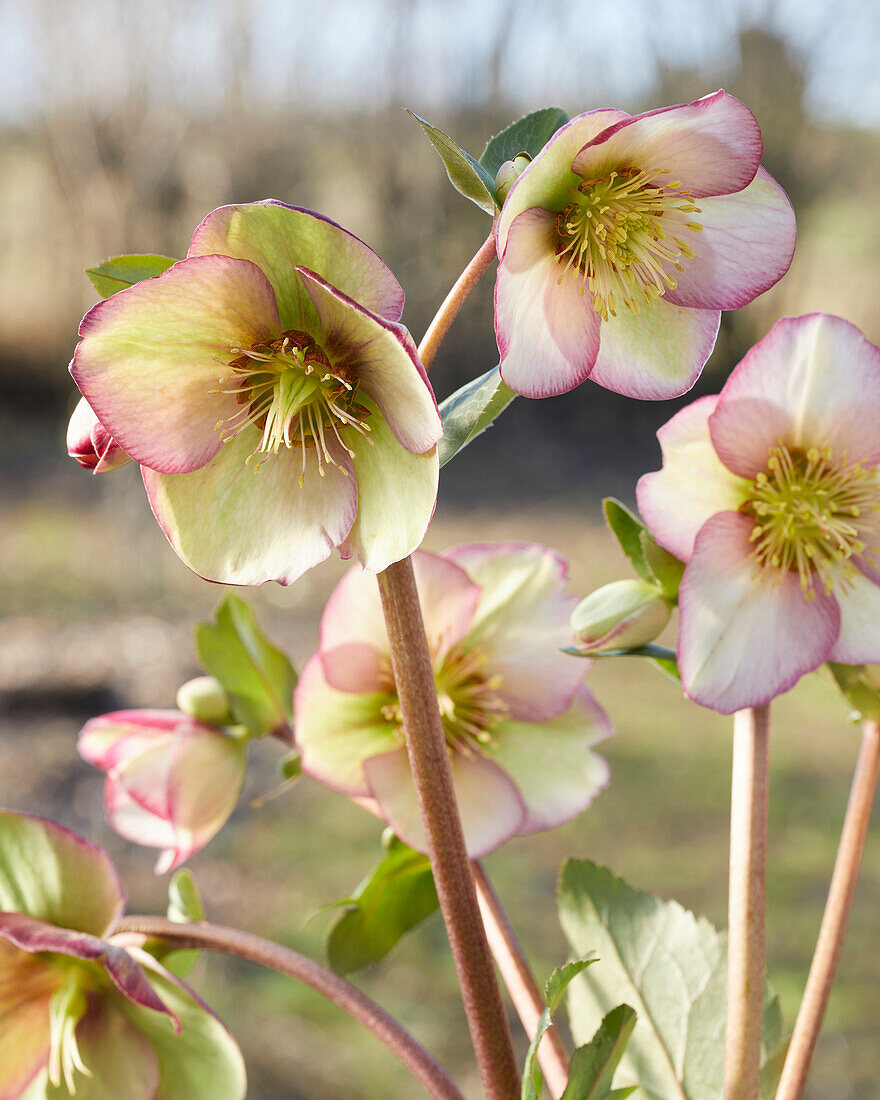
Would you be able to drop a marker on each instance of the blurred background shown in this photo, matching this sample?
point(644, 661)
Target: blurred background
point(121, 126)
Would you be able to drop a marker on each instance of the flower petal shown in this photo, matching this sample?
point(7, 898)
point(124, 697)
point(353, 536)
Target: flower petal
point(337, 730)
point(656, 354)
point(382, 356)
point(26, 988)
point(747, 634)
point(553, 765)
point(111, 738)
point(522, 622)
point(278, 238)
point(151, 355)
point(712, 145)
point(119, 1057)
point(859, 640)
point(745, 246)
point(54, 875)
point(489, 804)
point(692, 486)
point(812, 381)
point(245, 524)
point(355, 668)
point(547, 329)
point(139, 825)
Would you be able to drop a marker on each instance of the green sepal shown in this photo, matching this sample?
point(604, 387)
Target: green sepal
point(184, 907)
point(865, 699)
point(593, 1065)
point(528, 134)
point(120, 272)
point(471, 410)
point(395, 896)
point(650, 560)
point(291, 767)
point(554, 990)
point(257, 676)
point(658, 655)
point(466, 175)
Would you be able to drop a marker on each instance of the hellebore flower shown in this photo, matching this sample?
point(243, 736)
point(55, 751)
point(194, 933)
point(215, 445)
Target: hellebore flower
point(89, 442)
point(79, 1013)
point(519, 723)
point(621, 615)
point(172, 781)
point(623, 240)
point(770, 491)
point(277, 407)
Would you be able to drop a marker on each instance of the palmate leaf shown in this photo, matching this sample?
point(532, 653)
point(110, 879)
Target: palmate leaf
point(470, 411)
point(672, 967)
point(466, 174)
point(120, 272)
point(528, 134)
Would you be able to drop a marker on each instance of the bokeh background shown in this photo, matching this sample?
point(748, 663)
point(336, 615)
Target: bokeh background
point(121, 125)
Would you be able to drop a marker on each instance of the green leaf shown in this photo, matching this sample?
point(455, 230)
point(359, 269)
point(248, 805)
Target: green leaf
point(184, 906)
point(119, 272)
point(861, 696)
point(554, 991)
point(258, 678)
point(650, 561)
point(528, 134)
point(671, 966)
point(471, 410)
point(466, 175)
point(593, 1065)
point(658, 655)
point(397, 895)
point(667, 569)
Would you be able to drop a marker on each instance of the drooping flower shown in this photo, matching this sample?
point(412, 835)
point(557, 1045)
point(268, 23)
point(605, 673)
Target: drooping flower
point(172, 781)
point(623, 240)
point(520, 725)
point(79, 1013)
point(89, 442)
point(275, 404)
point(770, 492)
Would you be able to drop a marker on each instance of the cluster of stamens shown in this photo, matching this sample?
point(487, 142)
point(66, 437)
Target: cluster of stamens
point(288, 390)
point(612, 233)
point(814, 514)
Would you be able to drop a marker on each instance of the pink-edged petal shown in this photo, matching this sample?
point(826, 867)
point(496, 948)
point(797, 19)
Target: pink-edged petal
point(489, 803)
point(813, 381)
point(119, 1057)
point(522, 623)
point(108, 740)
point(383, 357)
point(54, 875)
point(712, 145)
point(355, 668)
point(245, 524)
point(745, 246)
point(353, 614)
point(859, 639)
point(278, 238)
point(89, 442)
point(549, 181)
point(151, 355)
point(747, 634)
point(692, 486)
point(553, 765)
point(337, 730)
point(397, 492)
point(547, 329)
point(26, 988)
point(135, 822)
point(656, 354)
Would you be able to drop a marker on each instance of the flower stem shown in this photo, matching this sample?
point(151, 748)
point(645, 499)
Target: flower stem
point(429, 760)
point(454, 300)
point(230, 941)
point(836, 916)
point(748, 874)
point(521, 985)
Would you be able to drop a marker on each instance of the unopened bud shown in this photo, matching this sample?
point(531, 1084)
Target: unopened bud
point(205, 700)
point(621, 615)
point(89, 442)
point(508, 173)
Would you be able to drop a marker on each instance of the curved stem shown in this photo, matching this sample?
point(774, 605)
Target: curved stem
point(429, 760)
point(521, 985)
point(454, 300)
point(835, 918)
point(230, 941)
point(748, 875)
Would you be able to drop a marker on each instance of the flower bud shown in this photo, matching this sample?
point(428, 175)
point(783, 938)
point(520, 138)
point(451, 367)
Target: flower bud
point(205, 700)
point(89, 442)
point(621, 615)
point(508, 173)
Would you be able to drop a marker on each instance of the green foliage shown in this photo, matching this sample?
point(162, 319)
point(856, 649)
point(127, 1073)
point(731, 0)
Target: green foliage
point(471, 410)
point(672, 966)
point(184, 906)
point(593, 1065)
point(528, 134)
point(658, 655)
point(397, 895)
point(554, 990)
point(860, 695)
point(120, 272)
point(650, 561)
point(466, 175)
point(258, 678)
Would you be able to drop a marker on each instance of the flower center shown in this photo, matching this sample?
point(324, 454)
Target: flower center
point(814, 514)
point(289, 391)
point(612, 234)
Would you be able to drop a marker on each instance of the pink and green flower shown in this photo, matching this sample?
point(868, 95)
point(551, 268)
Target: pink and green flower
point(520, 725)
point(276, 405)
point(770, 491)
point(623, 240)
